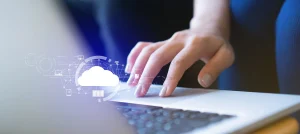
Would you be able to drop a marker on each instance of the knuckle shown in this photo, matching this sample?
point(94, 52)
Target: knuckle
point(231, 58)
point(177, 35)
point(149, 49)
point(194, 39)
point(199, 40)
point(229, 54)
point(205, 39)
point(158, 57)
point(141, 43)
point(155, 56)
point(177, 62)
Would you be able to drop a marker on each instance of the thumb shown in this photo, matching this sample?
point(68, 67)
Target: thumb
point(223, 59)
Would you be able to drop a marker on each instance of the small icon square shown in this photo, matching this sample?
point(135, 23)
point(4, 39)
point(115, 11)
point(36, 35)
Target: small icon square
point(68, 92)
point(98, 93)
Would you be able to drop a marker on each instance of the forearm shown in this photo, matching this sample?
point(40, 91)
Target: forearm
point(211, 14)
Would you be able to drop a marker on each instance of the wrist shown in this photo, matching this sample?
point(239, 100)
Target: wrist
point(221, 28)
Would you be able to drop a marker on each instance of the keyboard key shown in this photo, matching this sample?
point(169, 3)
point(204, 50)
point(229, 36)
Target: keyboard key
point(134, 117)
point(167, 126)
point(149, 124)
point(225, 116)
point(211, 114)
point(131, 122)
point(176, 121)
point(150, 110)
point(215, 119)
point(162, 119)
point(197, 123)
point(158, 126)
point(140, 124)
point(145, 131)
point(175, 115)
point(192, 116)
point(169, 111)
point(162, 132)
point(183, 114)
point(146, 117)
point(126, 115)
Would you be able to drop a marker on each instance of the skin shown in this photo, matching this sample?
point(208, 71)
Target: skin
point(206, 40)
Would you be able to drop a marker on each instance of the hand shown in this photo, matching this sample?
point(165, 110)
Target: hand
point(183, 49)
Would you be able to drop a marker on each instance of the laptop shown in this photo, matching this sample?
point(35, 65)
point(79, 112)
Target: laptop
point(32, 104)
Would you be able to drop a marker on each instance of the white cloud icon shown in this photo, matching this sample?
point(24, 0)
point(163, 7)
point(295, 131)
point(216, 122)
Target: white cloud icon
point(97, 76)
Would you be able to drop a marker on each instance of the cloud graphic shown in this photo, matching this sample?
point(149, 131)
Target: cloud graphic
point(97, 76)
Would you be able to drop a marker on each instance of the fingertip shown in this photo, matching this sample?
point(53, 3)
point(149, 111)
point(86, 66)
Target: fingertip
point(170, 85)
point(170, 90)
point(163, 92)
point(138, 90)
point(141, 90)
point(130, 81)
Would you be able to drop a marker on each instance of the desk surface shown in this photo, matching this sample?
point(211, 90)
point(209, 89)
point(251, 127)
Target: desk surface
point(286, 125)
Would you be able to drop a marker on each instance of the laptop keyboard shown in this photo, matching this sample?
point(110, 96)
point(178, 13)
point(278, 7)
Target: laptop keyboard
point(158, 120)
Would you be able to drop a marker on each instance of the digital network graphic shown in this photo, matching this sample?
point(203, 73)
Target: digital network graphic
point(101, 76)
point(96, 76)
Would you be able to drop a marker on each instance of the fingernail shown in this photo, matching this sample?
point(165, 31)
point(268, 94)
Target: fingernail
point(206, 80)
point(163, 91)
point(138, 90)
point(136, 78)
point(127, 68)
point(130, 80)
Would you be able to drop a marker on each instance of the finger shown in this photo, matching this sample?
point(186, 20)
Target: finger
point(134, 54)
point(218, 63)
point(183, 60)
point(140, 63)
point(157, 60)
